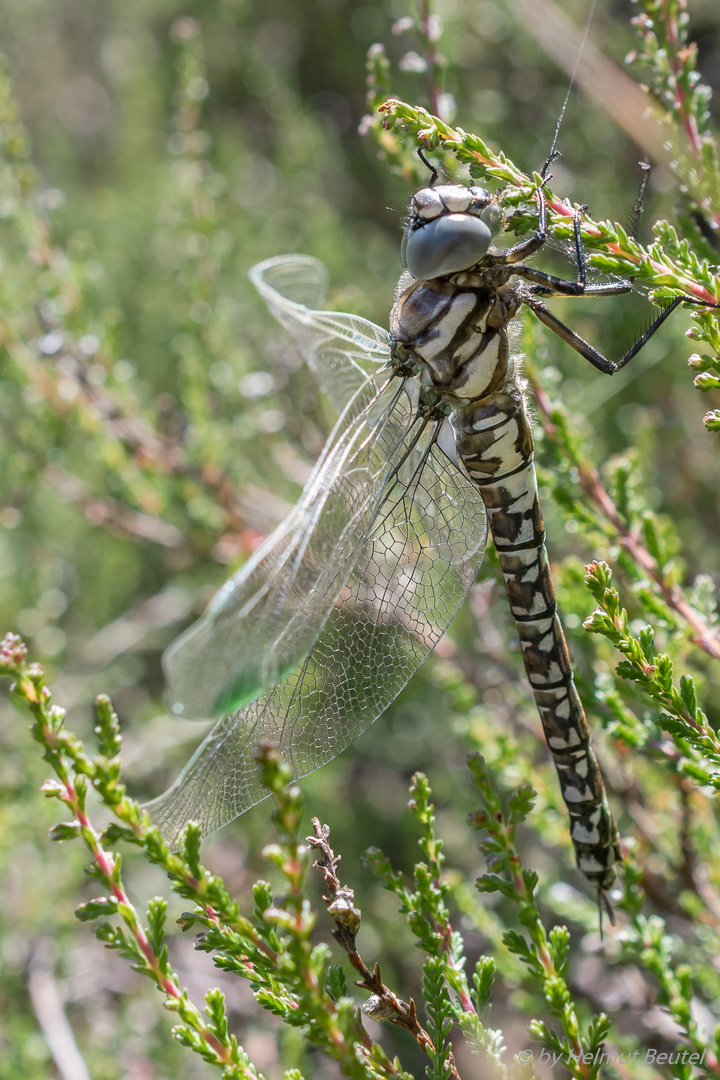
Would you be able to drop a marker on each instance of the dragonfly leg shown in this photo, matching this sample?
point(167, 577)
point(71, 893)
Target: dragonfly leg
point(637, 209)
point(579, 250)
point(554, 155)
point(529, 247)
point(580, 345)
point(428, 165)
point(547, 285)
point(402, 361)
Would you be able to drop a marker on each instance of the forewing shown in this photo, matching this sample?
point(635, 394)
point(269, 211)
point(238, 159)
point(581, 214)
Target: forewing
point(416, 566)
point(341, 350)
point(265, 619)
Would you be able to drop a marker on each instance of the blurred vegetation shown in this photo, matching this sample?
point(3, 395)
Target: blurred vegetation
point(156, 425)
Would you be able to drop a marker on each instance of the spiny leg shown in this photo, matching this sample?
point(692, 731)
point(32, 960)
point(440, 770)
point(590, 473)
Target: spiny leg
point(550, 286)
point(530, 247)
point(637, 209)
point(589, 352)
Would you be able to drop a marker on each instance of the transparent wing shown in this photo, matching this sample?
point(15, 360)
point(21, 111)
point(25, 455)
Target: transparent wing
point(342, 604)
point(265, 619)
point(267, 616)
point(341, 350)
point(416, 565)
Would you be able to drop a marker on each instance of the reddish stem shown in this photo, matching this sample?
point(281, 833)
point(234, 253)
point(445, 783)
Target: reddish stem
point(590, 482)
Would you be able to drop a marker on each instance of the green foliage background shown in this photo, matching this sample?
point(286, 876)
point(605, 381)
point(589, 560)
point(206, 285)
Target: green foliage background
point(155, 424)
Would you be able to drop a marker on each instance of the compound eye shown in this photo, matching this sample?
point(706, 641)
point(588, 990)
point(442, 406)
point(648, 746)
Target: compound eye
point(403, 246)
point(492, 216)
point(447, 245)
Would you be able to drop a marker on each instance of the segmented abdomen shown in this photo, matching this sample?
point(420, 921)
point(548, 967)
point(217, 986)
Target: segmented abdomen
point(495, 445)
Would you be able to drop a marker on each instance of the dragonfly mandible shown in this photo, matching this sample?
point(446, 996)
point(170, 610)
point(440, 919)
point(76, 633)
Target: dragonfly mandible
point(320, 630)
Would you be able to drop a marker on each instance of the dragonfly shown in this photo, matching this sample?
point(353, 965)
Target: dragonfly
point(322, 628)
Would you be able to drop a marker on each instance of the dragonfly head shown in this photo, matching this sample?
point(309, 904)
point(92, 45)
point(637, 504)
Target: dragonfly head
point(450, 230)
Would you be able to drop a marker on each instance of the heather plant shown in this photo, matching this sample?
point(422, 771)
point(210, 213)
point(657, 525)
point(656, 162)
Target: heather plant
point(154, 430)
point(292, 977)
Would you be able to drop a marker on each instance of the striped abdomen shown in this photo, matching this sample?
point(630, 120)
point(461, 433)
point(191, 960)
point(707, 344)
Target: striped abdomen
point(495, 445)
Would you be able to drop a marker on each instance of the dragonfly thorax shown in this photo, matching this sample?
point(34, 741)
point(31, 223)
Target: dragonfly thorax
point(450, 230)
point(456, 334)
